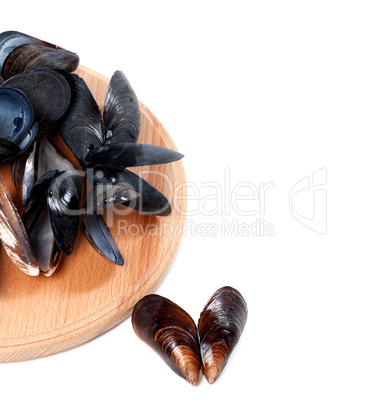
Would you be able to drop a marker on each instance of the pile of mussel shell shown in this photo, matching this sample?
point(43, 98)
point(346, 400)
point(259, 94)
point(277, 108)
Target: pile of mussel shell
point(40, 94)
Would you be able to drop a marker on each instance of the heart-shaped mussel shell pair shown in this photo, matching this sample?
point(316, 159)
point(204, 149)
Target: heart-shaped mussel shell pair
point(172, 333)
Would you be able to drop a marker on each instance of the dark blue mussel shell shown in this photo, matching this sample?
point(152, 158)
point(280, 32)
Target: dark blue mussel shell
point(17, 127)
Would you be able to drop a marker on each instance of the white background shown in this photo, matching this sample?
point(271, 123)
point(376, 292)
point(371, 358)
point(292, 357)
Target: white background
point(271, 91)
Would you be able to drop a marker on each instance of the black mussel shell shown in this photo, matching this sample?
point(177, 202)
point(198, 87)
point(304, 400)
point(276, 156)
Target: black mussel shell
point(63, 203)
point(122, 116)
point(220, 326)
point(100, 238)
point(11, 41)
point(108, 189)
point(150, 201)
point(81, 126)
point(123, 154)
point(17, 127)
point(13, 235)
point(171, 332)
point(48, 92)
point(33, 56)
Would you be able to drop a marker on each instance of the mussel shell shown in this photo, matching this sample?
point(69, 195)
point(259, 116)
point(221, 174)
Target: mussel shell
point(63, 202)
point(100, 238)
point(81, 127)
point(171, 332)
point(38, 226)
point(23, 146)
point(17, 127)
point(30, 57)
point(42, 241)
point(48, 92)
point(13, 235)
point(108, 189)
point(12, 40)
point(123, 154)
point(40, 158)
point(149, 200)
point(16, 114)
point(122, 116)
point(50, 158)
point(220, 326)
point(24, 172)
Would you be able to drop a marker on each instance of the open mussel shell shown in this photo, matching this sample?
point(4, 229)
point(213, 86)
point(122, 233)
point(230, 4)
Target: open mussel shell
point(48, 92)
point(39, 159)
point(220, 326)
point(51, 218)
point(171, 332)
point(122, 116)
point(17, 127)
point(51, 189)
point(20, 52)
point(13, 235)
point(38, 226)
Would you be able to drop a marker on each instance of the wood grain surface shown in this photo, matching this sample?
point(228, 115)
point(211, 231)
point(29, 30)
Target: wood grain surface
point(88, 294)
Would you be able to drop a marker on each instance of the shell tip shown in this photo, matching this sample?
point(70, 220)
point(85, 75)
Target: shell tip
point(211, 373)
point(211, 378)
point(193, 378)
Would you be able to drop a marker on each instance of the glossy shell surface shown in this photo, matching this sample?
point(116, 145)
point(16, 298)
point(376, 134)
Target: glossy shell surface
point(220, 326)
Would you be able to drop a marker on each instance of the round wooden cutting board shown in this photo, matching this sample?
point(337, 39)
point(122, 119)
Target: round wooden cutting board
point(88, 295)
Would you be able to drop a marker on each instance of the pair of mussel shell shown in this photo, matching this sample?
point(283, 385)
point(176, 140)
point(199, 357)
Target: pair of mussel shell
point(187, 349)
